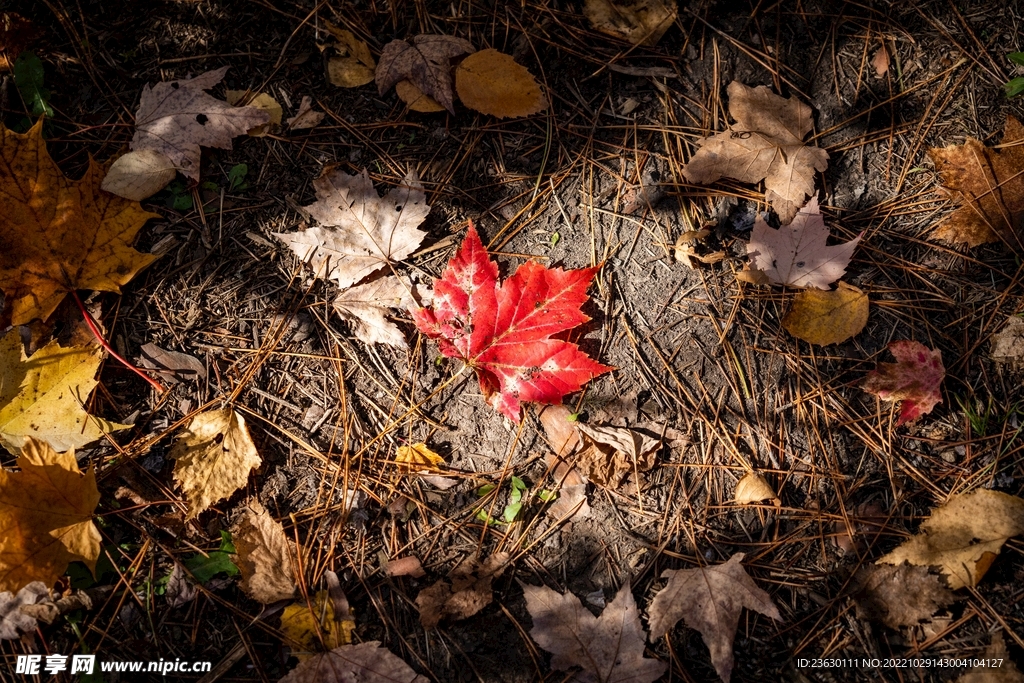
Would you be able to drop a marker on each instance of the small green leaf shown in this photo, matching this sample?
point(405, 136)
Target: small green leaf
point(554, 238)
point(485, 518)
point(485, 489)
point(28, 76)
point(518, 483)
point(1017, 57)
point(226, 545)
point(181, 202)
point(1014, 87)
point(547, 496)
point(236, 176)
point(206, 567)
point(511, 512)
point(209, 186)
point(572, 417)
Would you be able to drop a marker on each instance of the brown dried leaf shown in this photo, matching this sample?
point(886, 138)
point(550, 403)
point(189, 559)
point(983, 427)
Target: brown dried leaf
point(261, 101)
point(361, 232)
point(753, 488)
point(880, 61)
point(989, 185)
point(213, 458)
point(416, 99)
point(264, 556)
point(176, 117)
point(997, 667)
point(305, 117)
point(493, 83)
point(138, 175)
point(365, 663)
point(1008, 343)
point(559, 430)
point(405, 566)
point(609, 648)
point(900, 595)
point(643, 22)
point(14, 622)
point(426, 63)
point(827, 316)
point(766, 142)
point(468, 592)
point(710, 600)
point(963, 536)
point(172, 366)
point(610, 454)
point(365, 309)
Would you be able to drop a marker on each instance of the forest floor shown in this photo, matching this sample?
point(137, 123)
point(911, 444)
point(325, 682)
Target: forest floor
point(700, 358)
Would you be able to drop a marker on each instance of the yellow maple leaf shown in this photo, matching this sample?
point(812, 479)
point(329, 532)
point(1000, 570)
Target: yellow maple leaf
point(46, 514)
point(60, 234)
point(303, 624)
point(42, 396)
point(213, 458)
point(417, 457)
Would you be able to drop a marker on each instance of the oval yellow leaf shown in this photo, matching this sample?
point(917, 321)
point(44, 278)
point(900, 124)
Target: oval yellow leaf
point(416, 99)
point(493, 83)
point(348, 72)
point(827, 317)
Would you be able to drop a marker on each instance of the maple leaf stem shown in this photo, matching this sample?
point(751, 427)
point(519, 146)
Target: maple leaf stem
point(94, 328)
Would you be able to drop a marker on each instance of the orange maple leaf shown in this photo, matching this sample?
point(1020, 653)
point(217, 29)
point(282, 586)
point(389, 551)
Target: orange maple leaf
point(59, 234)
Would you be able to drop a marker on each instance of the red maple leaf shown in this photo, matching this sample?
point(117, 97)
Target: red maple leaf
point(915, 379)
point(504, 331)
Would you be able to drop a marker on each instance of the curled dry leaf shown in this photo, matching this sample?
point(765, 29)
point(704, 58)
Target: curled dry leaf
point(361, 231)
point(365, 663)
point(827, 316)
point(14, 622)
point(405, 566)
point(754, 488)
point(46, 511)
point(901, 595)
point(306, 117)
point(264, 556)
point(493, 83)
point(213, 458)
point(59, 234)
point(798, 254)
point(562, 437)
point(41, 395)
point(416, 99)
point(1008, 343)
point(610, 454)
point(354, 65)
point(880, 61)
point(766, 142)
point(505, 332)
point(176, 117)
point(468, 591)
point(365, 309)
point(710, 599)
point(172, 366)
point(963, 537)
point(304, 625)
point(995, 667)
point(643, 22)
point(989, 186)
point(138, 175)
point(608, 649)
point(261, 101)
point(914, 379)
point(426, 63)
point(865, 522)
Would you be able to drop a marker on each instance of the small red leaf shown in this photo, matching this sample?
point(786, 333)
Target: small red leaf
point(504, 331)
point(915, 379)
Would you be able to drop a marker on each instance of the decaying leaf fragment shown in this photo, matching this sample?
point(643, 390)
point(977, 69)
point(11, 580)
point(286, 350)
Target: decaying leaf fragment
point(138, 175)
point(754, 488)
point(468, 591)
point(365, 663)
point(493, 83)
point(1008, 343)
point(710, 600)
point(46, 511)
point(264, 556)
point(361, 232)
point(995, 667)
point(827, 316)
point(353, 66)
point(365, 309)
point(798, 254)
point(14, 622)
point(42, 395)
point(306, 624)
point(963, 537)
point(914, 379)
point(213, 458)
point(900, 595)
point(608, 455)
point(989, 185)
point(176, 117)
point(261, 101)
point(172, 366)
point(608, 649)
point(426, 63)
point(642, 22)
point(306, 117)
point(416, 98)
point(766, 142)
point(59, 234)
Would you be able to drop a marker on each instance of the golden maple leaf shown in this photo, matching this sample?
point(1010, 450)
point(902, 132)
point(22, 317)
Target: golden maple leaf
point(46, 513)
point(41, 395)
point(59, 234)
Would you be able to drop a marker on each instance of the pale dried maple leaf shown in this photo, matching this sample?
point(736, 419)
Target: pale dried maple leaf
point(42, 395)
point(468, 591)
point(365, 308)
point(963, 536)
point(264, 556)
point(504, 332)
point(989, 185)
point(710, 599)
point(213, 458)
point(14, 622)
point(608, 649)
point(59, 235)
point(642, 22)
point(363, 663)
point(915, 379)
point(901, 595)
point(361, 231)
point(798, 254)
point(177, 117)
point(766, 142)
point(426, 63)
point(46, 512)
